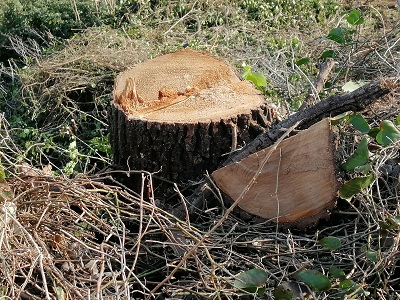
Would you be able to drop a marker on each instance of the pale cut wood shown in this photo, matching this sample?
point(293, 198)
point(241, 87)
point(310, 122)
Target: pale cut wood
point(298, 184)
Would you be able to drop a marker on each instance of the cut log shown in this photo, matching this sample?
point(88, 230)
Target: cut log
point(297, 184)
point(331, 106)
point(180, 114)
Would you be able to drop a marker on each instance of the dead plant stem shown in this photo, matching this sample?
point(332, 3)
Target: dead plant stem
point(227, 213)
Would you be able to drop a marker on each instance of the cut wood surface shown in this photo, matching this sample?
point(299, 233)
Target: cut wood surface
point(182, 113)
point(184, 86)
point(298, 184)
point(331, 106)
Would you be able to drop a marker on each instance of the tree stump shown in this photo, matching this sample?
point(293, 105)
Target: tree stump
point(181, 114)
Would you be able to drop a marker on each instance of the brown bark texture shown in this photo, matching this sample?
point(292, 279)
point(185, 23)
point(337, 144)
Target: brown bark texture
point(180, 152)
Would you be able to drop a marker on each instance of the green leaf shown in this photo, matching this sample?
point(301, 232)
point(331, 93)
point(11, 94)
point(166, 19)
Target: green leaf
point(335, 272)
point(331, 243)
point(328, 53)
point(359, 158)
point(314, 279)
point(2, 173)
point(353, 18)
point(258, 79)
point(251, 281)
point(281, 293)
point(302, 61)
point(354, 186)
point(364, 169)
point(339, 118)
point(388, 133)
point(346, 284)
point(359, 123)
point(387, 225)
point(350, 287)
point(372, 256)
point(338, 35)
point(390, 223)
point(396, 220)
point(398, 120)
point(373, 132)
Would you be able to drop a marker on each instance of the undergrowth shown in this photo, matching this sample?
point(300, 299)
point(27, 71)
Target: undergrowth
point(72, 221)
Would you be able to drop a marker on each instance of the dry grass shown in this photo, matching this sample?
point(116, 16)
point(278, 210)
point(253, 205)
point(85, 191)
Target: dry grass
point(90, 237)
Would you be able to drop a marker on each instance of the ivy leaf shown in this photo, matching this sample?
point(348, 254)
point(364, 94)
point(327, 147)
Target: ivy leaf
point(396, 220)
point(359, 123)
point(359, 158)
point(388, 133)
point(364, 169)
point(314, 279)
point(335, 272)
point(328, 53)
point(338, 35)
point(302, 61)
point(251, 281)
point(354, 186)
point(372, 256)
point(331, 243)
point(281, 293)
point(373, 132)
point(258, 79)
point(349, 287)
point(390, 223)
point(354, 18)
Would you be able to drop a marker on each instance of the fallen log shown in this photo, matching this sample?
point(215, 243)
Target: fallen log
point(332, 106)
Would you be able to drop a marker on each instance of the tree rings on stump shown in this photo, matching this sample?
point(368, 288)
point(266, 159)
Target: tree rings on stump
point(180, 115)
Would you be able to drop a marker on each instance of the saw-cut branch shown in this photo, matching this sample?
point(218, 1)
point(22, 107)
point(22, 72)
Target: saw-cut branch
point(331, 106)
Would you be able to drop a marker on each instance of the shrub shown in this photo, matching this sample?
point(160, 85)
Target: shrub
point(42, 20)
point(289, 12)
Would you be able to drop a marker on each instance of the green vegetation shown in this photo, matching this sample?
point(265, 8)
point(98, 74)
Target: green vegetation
point(386, 134)
point(56, 90)
point(41, 21)
point(58, 62)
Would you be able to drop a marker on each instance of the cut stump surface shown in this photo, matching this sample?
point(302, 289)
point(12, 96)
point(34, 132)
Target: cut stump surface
point(180, 113)
point(184, 86)
point(298, 184)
